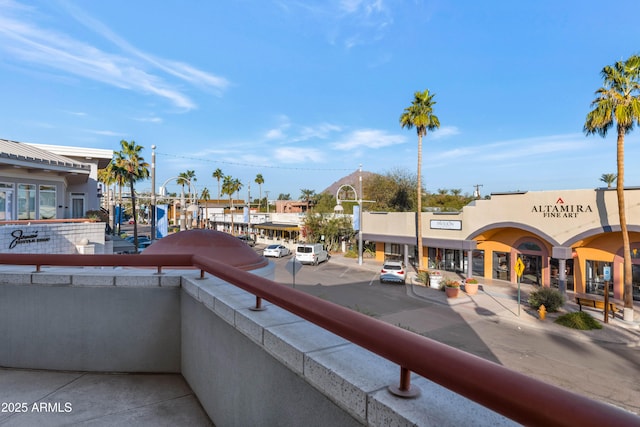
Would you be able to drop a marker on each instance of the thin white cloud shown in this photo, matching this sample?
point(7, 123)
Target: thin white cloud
point(27, 42)
point(445, 132)
point(149, 119)
point(368, 138)
point(105, 133)
point(298, 155)
point(516, 149)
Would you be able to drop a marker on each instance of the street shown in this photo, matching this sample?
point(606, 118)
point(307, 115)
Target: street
point(603, 371)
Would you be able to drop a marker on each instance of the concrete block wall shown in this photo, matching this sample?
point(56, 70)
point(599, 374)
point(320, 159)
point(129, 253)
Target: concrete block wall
point(53, 238)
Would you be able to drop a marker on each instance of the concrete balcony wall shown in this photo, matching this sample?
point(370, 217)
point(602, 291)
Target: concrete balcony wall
point(246, 367)
point(95, 322)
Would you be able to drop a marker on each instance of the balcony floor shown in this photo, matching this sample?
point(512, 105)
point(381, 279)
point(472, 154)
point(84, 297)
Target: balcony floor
point(48, 398)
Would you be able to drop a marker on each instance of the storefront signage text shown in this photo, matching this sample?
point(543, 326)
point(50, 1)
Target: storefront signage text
point(561, 210)
point(446, 225)
point(19, 238)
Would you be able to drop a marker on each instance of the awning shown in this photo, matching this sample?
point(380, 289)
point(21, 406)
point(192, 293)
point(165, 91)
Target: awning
point(276, 226)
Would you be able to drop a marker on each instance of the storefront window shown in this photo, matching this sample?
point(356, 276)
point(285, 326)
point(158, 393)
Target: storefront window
point(6, 202)
point(595, 277)
point(47, 199)
point(26, 201)
point(501, 265)
point(477, 263)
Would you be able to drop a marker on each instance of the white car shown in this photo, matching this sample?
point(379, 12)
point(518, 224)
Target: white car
point(276, 251)
point(393, 271)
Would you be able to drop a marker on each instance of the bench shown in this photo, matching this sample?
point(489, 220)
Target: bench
point(596, 301)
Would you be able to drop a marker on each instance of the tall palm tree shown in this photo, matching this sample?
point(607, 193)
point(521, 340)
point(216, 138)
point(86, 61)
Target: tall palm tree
point(230, 186)
point(608, 178)
point(218, 175)
point(136, 170)
point(618, 102)
point(204, 195)
point(120, 177)
point(420, 115)
point(182, 180)
point(259, 180)
point(107, 177)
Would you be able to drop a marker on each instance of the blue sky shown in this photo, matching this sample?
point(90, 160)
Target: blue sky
point(303, 92)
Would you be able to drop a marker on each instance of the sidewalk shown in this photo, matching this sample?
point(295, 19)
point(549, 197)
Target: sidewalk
point(497, 300)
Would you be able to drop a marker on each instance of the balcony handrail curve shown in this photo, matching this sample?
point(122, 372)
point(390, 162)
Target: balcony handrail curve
point(522, 399)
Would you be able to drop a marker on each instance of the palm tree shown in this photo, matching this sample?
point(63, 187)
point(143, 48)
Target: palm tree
point(259, 180)
point(206, 196)
point(218, 175)
point(120, 178)
point(108, 177)
point(420, 115)
point(608, 178)
point(230, 186)
point(307, 195)
point(618, 101)
point(136, 169)
point(182, 180)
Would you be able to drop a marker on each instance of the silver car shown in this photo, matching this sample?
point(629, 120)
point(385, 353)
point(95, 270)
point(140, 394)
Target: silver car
point(393, 271)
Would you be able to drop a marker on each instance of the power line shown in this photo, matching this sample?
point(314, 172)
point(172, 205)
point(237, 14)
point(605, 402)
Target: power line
point(252, 165)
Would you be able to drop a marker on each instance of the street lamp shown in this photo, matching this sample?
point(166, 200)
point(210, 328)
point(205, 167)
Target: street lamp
point(346, 188)
point(183, 210)
point(153, 192)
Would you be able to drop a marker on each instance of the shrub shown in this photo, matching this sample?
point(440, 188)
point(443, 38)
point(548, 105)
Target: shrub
point(351, 253)
point(471, 280)
point(423, 277)
point(551, 298)
point(97, 214)
point(578, 320)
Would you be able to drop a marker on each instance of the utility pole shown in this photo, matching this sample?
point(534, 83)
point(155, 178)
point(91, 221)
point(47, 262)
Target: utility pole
point(476, 193)
point(267, 193)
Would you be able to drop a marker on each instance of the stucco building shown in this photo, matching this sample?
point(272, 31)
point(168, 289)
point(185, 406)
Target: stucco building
point(564, 238)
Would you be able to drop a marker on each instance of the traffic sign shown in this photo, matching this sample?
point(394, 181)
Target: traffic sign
point(293, 266)
point(519, 267)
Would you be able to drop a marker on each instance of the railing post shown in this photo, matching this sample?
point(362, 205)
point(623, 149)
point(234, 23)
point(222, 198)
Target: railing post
point(258, 306)
point(405, 389)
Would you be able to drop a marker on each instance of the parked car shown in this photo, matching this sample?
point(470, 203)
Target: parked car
point(247, 239)
point(313, 253)
point(393, 271)
point(276, 251)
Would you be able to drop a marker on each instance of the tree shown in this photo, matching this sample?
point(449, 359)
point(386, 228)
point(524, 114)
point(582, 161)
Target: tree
point(206, 197)
point(136, 169)
point(308, 196)
point(230, 186)
point(283, 196)
point(420, 115)
point(259, 180)
point(608, 178)
point(391, 192)
point(109, 178)
point(186, 178)
point(218, 175)
point(618, 102)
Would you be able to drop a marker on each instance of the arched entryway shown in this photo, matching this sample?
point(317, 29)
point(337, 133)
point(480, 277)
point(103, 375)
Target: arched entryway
point(535, 258)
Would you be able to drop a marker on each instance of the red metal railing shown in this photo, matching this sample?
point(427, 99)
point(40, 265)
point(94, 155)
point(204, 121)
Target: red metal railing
point(525, 400)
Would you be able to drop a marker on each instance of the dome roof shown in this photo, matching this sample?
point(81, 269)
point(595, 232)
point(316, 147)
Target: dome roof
point(212, 244)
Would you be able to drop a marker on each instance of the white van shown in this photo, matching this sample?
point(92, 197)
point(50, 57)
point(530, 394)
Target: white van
point(312, 253)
